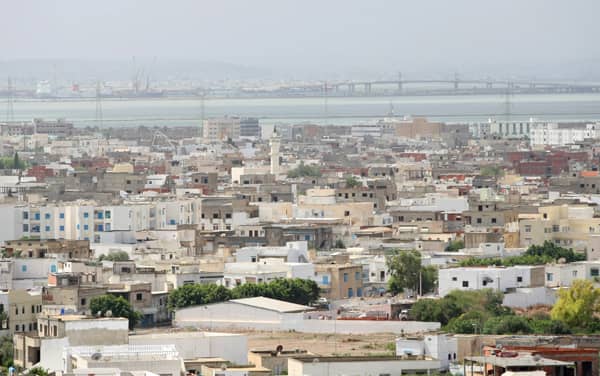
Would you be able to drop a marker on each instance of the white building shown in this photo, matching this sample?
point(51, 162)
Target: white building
point(264, 271)
point(269, 314)
point(291, 252)
point(160, 359)
point(496, 278)
point(232, 347)
point(563, 275)
point(552, 134)
point(442, 347)
point(360, 366)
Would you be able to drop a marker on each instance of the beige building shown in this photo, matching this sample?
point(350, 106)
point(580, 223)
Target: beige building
point(570, 226)
point(418, 128)
point(339, 281)
point(22, 309)
point(221, 129)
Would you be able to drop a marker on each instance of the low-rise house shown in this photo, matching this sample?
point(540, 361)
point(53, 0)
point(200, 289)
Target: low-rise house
point(339, 281)
point(44, 346)
point(497, 278)
point(361, 365)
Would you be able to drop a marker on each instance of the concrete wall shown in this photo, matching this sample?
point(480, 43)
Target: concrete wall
point(194, 345)
point(51, 351)
point(527, 297)
point(229, 315)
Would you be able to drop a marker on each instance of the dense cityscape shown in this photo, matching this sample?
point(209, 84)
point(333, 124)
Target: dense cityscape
point(253, 224)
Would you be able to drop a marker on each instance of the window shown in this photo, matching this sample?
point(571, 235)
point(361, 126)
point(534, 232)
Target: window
point(527, 228)
point(358, 291)
point(85, 227)
point(61, 215)
point(138, 296)
point(228, 215)
point(519, 279)
point(574, 273)
point(345, 277)
point(86, 215)
point(347, 213)
point(47, 228)
point(47, 215)
point(25, 227)
point(454, 278)
point(37, 216)
point(479, 220)
point(100, 215)
point(107, 214)
point(357, 276)
point(594, 272)
point(215, 215)
point(493, 220)
point(549, 276)
point(23, 268)
point(61, 228)
point(25, 215)
point(465, 283)
point(325, 280)
point(350, 292)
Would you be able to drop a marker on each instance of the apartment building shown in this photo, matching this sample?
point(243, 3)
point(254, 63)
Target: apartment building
point(339, 281)
point(221, 129)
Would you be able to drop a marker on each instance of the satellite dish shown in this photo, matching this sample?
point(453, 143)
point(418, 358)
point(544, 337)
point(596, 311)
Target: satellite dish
point(279, 348)
point(109, 313)
point(223, 367)
point(96, 356)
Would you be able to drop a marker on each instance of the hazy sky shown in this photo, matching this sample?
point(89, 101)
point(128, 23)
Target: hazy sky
point(544, 37)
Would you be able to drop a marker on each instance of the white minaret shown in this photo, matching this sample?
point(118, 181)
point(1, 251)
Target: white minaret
point(275, 143)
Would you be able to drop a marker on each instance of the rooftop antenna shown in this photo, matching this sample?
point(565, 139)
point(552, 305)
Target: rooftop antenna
point(98, 119)
point(10, 114)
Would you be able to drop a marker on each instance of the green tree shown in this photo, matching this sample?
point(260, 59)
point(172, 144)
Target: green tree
point(293, 290)
point(16, 161)
point(407, 272)
point(304, 170)
point(196, 294)
point(507, 324)
point(38, 371)
point(6, 351)
point(455, 246)
point(114, 256)
point(352, 182)
point(118, 306)
point(577, 305)
point(468, 323)
point(535, 255)
point(548, 326)
point(492, 171)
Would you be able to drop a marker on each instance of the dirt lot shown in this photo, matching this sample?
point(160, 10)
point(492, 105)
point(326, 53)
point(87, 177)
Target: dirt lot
point(324, 344)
